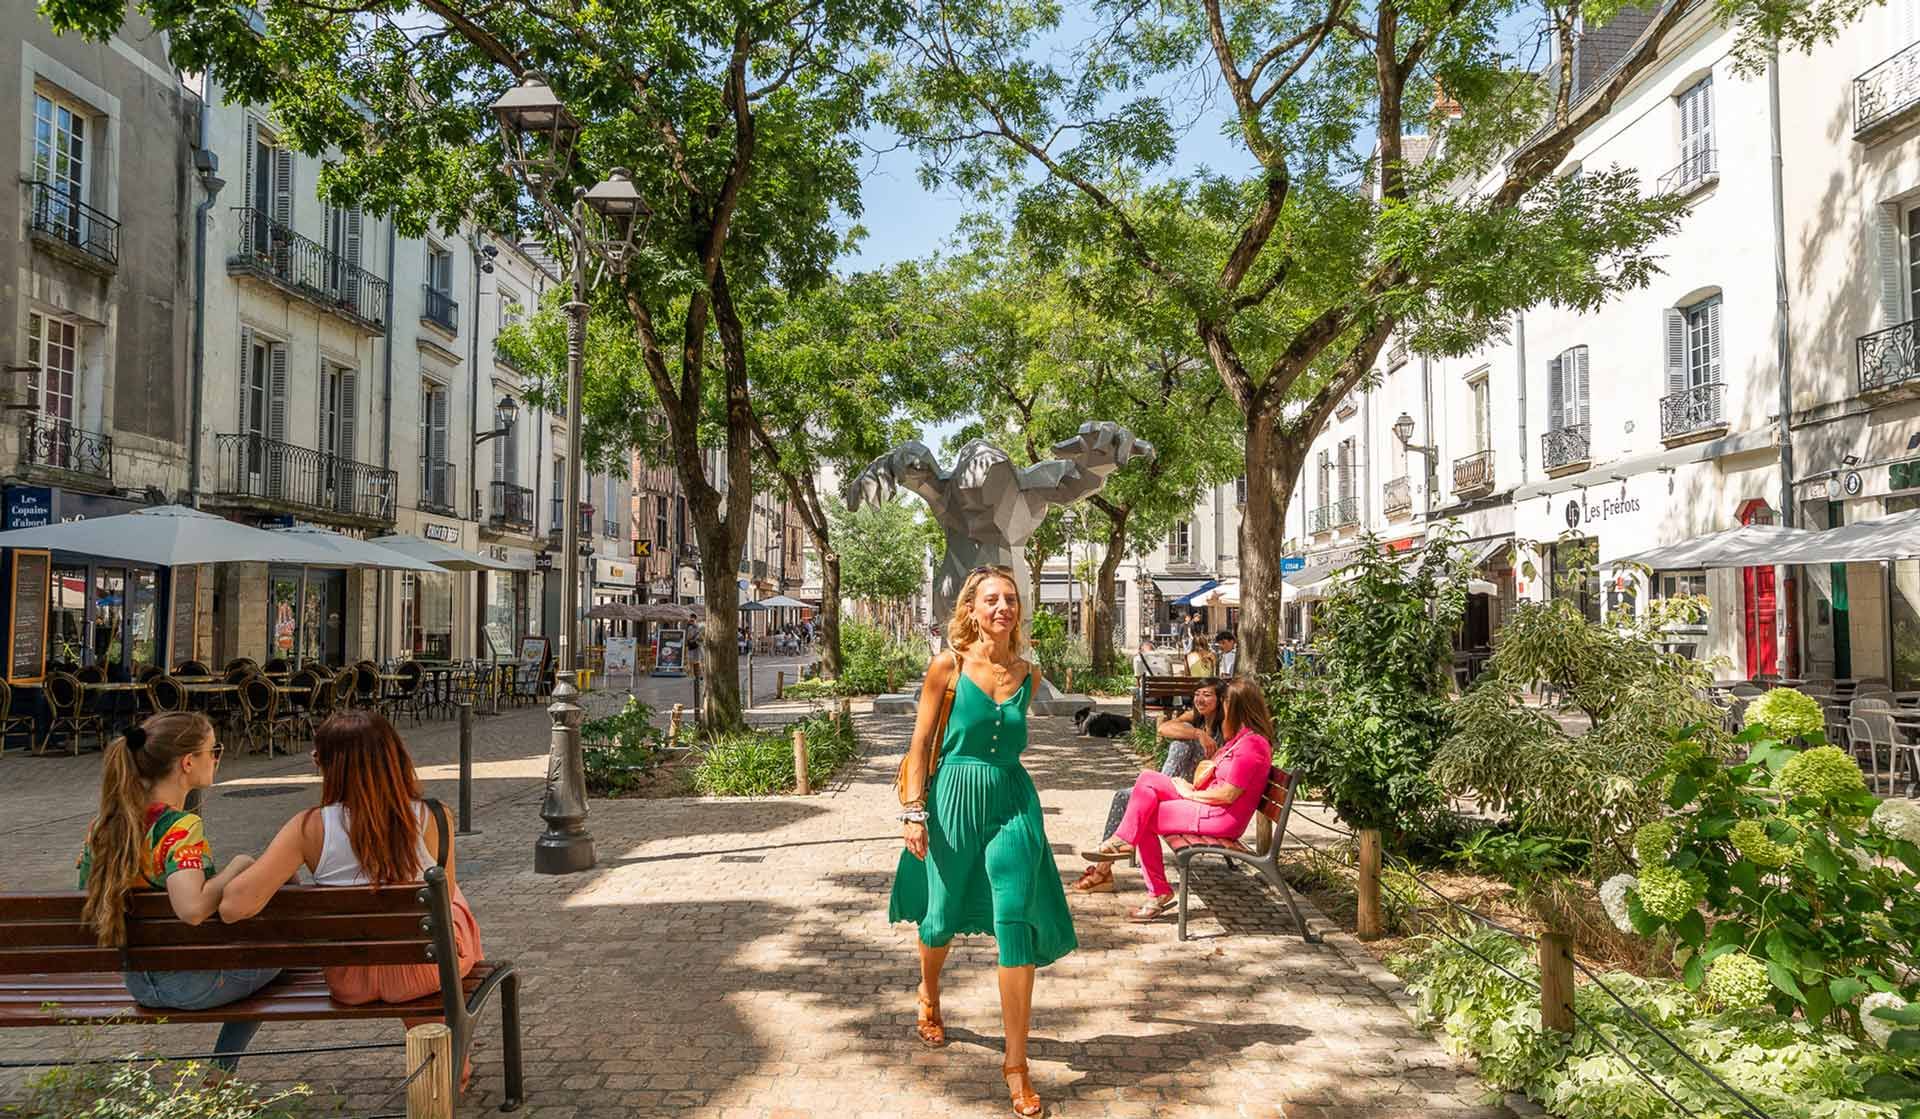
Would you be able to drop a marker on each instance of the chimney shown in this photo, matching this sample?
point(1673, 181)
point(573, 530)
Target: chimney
point(1444, 106)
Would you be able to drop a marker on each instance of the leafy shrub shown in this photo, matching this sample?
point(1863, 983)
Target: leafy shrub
point(1790, 1068)
point(868, 652)
point(815, 688)
point(617, 750)
point(759, 762)
point(153, 1090)
point(1781, 851)
point(1147, 744)
point(1788, 713)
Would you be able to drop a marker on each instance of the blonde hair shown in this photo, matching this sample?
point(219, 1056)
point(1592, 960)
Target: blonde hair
point(962, 629)
point(116, 839)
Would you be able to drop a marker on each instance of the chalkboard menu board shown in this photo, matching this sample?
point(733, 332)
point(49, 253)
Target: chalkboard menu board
point(27, 616)
point(186, 615)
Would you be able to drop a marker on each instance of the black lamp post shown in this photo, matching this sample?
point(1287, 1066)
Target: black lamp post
point(540, 137)
point(1403, 431)
point(504, 413)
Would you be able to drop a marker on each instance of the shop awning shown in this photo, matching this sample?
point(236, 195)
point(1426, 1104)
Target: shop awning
point(663, 612)
point(782, 602)
point(1883, 538)
point(442, 555)
point(1745, 546)
point(356, 553)
point(1484, 550)
point(172, 535)
point(1191, 597)
point(1177, 590)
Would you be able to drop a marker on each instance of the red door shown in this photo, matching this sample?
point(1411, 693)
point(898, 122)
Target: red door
point(1757, 600)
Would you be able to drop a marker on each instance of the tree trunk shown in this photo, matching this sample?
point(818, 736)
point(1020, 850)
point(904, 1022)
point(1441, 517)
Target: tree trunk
point(833, 659)
point(1105, 658)
point(1272, 460)
point(721, 698)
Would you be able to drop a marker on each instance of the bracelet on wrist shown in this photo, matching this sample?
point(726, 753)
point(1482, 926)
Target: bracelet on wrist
point(914, 816)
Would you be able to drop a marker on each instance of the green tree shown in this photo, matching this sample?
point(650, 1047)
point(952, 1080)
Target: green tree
point(882, 556)
point(737, 118)
point(1292, 278)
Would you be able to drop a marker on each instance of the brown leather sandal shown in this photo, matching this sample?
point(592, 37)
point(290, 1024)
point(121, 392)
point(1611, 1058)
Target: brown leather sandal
point(1096, 879)
point(1026, 1105)
point(927, 1024)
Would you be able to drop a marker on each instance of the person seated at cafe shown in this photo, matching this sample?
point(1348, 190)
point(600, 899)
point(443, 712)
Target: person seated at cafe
point(1229, 659)
point(1200, 660)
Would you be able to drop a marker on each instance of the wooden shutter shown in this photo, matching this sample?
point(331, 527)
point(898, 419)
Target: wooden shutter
point(1556, 395)
point(346, 449)
point(247, 418)
point(276, 418)
point(283, 187)
point(437, 433)
point(351, 250)
point(1714, 399)
point(1582, 414)
point(1676, 331)
point(1892, 251)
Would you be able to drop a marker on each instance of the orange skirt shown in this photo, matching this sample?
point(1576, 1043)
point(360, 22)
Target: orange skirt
point(360, 983)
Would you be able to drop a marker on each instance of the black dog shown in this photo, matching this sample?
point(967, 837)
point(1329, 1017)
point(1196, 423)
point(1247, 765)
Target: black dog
point(1102, 725)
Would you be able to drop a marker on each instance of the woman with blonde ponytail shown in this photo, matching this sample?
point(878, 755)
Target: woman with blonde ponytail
point(144, 838)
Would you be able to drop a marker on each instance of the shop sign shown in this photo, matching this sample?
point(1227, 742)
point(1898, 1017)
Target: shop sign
point(660, 589)
point(497, 551)
point(1579, 510)
point(1851, 483)
point(1814, 491)
point(446, 534)
point(29, 506)
point(1291, 564)
point(543, 561)
point(617, 573)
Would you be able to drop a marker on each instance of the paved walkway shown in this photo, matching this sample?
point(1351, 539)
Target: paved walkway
point(732, 958)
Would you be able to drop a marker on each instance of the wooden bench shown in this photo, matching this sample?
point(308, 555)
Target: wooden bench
point(1166, 692)
point(54, 973)
point(1276, 805)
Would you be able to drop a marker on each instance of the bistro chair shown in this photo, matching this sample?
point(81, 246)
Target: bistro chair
point(265, 716)
point(1873, 736)
point(165, 694)
point(366, 685)
point(10, 723)
point(326, 694)
point(67, 697)
point(147, 673)
point(278, 665)
point(300, 704)
point(247, 663)
point(92, 674)
point(410, 695)
point(192, 668)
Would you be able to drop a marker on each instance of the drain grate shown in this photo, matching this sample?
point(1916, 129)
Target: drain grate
point(743, 858)
point(263, 791)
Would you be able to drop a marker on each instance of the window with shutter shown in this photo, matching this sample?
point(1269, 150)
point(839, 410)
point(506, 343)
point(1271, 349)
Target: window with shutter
point(1556, 395)
point(1696, 130)
point(1913, 255)
point(1675, 329)
point(1482, 416)
point(1581, 412)
point(276, 418)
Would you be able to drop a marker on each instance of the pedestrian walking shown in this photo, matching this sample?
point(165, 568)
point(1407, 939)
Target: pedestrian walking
point(977, 859)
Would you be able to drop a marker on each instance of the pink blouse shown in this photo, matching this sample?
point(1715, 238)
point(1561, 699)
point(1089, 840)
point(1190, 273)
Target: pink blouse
point(1245, 762)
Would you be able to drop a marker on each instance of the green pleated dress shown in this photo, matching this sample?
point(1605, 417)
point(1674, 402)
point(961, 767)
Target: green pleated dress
point(989, 868)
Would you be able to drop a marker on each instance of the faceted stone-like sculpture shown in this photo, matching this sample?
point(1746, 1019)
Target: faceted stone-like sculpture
point(988, 507)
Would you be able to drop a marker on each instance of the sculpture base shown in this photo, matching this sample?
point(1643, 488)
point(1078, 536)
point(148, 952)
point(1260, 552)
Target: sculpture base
point(1047, 700)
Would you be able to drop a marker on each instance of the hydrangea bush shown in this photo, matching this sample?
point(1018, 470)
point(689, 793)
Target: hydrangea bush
point(1788, 713)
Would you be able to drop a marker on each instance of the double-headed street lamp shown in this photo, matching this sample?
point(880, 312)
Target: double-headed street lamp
point(540, 136)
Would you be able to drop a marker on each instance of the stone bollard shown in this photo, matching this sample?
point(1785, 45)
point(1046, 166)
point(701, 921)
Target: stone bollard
point(800, 785)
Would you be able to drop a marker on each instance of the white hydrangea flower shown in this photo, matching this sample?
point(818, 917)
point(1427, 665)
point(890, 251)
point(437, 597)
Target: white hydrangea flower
point(1879, 1029)
point(1613, 898)
point(1899, 819)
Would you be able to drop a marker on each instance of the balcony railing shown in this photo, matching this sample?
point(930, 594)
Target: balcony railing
point(66, 219)
point(510, 507)
point(1889, 357)
point(554, 525)
point(1696, 170)
point(1397, 496)
point(1320, 520)
point(1474, 474)
point(1700, 408)
point(440, 309)
point(1887, 93)
point(300, 479)
point(610, 528)
point(1566, 446)
point(316, 272)
point(438, 491)
point(1346, 511)
point(56, 444)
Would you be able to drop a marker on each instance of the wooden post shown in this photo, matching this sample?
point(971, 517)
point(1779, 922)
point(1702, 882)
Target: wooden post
point(1367, 922)
point(780, 684)
point(890, 687)
point(845, 712)
point(430, 1096)
point(1069, 686)
point(673, 725)
point(1556, 981)
point(800, 762)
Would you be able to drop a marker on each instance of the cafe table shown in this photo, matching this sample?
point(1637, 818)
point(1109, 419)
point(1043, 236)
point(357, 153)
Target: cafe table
point(120, 714)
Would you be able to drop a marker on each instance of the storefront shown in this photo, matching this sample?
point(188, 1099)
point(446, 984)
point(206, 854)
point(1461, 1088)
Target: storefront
point(104, 613)
point(614, 581)
point(307, 615)
point(506, 603)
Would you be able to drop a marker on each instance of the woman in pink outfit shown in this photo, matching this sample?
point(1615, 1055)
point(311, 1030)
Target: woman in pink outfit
point(1224, 795)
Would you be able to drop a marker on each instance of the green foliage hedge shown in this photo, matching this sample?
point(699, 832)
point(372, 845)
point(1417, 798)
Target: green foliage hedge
point(753, 763)
point(617, 750)
point(153, 1090)
point(869, 651)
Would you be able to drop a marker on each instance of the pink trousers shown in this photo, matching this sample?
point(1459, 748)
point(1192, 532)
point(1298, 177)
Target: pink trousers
point(1154, 809)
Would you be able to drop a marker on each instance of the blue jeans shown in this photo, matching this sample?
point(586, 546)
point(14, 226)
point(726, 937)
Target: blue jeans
point(204, 990)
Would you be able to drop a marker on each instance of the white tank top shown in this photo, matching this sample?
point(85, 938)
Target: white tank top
point(338, 864)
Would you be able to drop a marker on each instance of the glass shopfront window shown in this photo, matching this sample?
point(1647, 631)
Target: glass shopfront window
point(430, 636)
point(67, 617)
point(323, 622)
point(283, 613)
point(143, 618)
point(1903, 610)
point(109, 615)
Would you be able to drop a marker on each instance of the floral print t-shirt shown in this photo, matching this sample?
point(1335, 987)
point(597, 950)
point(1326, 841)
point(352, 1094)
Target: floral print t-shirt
point(176, 841)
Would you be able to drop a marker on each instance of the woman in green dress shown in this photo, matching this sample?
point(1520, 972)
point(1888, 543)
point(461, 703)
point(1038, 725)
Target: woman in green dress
point(977, 857)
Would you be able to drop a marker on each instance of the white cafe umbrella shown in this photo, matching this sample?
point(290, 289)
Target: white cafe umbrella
point(172, 536)
point(1482, 587)
point(1745, 546)
point(782, 602)
point(442, 555)
point(1884, 538)
point(350, 552)
point(1226, 594)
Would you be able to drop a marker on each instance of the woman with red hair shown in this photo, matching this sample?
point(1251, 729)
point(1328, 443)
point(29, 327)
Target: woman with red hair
point(372, 828)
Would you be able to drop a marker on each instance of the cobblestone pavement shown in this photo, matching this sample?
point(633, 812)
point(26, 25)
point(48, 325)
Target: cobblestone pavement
point(732, 958)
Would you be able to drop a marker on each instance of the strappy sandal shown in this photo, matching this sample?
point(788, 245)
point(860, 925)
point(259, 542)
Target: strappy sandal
point(1026, 1105)
point(1096, 879)
point(1112, 851)
point(927, 1024)
point(1153, 910)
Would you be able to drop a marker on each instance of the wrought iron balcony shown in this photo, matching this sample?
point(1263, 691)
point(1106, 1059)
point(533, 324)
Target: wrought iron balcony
point(554, 524)
point(1566, 446)
point(268, 474)
point(440, 309)
point(438, 491)
point(1346, 511)
point(1888, 358)
point(1888, 94)
point(509, 507)
point(609, 527)
point(1397, 496)
point(1695, 171)
point(308, 269)
point(51, 443)
point(1473, 475)
point(56, 214)
point(1700, 408)
point(1320, 520)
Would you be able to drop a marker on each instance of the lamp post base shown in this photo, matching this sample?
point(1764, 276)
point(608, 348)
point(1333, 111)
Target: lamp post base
point(565, 847)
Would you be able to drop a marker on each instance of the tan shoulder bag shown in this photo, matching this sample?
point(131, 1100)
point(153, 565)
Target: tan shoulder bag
point(933, 746)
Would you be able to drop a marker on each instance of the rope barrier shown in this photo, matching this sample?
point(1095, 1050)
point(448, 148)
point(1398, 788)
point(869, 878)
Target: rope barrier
point(423, 1066)
point(1745, 1103)
point(130, 1058)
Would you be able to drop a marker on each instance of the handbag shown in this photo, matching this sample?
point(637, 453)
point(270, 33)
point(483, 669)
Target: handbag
point(939, 732)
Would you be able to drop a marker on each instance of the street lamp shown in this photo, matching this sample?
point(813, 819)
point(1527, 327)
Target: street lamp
point(540, 138)
point(1403, 431)
point(504, 413)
